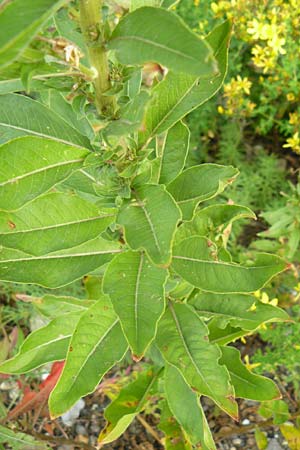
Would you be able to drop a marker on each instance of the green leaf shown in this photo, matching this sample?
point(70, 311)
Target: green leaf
point(174, 152)
point(20, 441)
point(130, 402)
point(53, 306)
point(195, 357)
point(53, 222)
point(222, 336)
point(155, 35)
point(47, 344)
point(30, 166)
point(276, 408)
point(136, 289)
point(58, 268)
point(261, 439)
point(131, 116)
point(199, 183)
point(19, 25)
point(174, 438)
point(247, 384)
point(179, 94)
point(195, 260)
point(96, 345)
point(20, 116)
point(150, 222)
point(211, 219)
point(185, 406)
point(238, 310)
point(135, 4)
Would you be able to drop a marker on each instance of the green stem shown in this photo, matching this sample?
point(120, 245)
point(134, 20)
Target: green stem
point(91, 25)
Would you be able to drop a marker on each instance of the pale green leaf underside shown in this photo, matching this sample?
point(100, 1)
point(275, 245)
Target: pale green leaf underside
point(174, 436)
point(136, 289)
point(178, 94)
point(54, 305)
point(47, 344)
point(130, 401)
point(155, 35)
point(21, 116)
point(186, 408)
point(247, 384)
point(195, 260)
point(239, 310)
point(199, 183)
point(53, 222)
point(195, 357)
point(150, 222)
point(174, 153)
point(19, 25)
point(58, 268)
point(96, 345)
point(30, 166)
point(20, 441)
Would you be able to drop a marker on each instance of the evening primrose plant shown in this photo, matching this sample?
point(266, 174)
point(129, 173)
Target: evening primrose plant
point(93, 183)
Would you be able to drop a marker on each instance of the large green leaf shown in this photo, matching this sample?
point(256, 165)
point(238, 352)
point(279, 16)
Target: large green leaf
point(185, 406)
point(238, 310)
point(195, 260)
point(150, 222)
point(247, 384)
point(178, 94)
point(20, 116)
point(135, 4)
point(130, 402)
point(136, 289)
point(53, 222)
point(96, 345)
point(222, 336)
point(19, 25)
point(175, 438)
point(195, 357)
point(213, 218)
point(155, 35)
point(47, 344)
point(58, 268)
point(199, 183)
point(174, 152)
point(30, 166)
point(20, 441)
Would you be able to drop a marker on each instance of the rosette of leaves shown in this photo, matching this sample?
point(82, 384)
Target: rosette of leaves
point(120, 204)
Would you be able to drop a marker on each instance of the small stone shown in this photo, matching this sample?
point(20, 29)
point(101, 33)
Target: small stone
point(95, 428)
point(81, 430)
point(237, 441)
point(233, 448)
point(273, 445)
point(246, 422)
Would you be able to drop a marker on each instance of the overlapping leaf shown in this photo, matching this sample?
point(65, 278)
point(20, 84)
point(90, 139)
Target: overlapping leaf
point(175, 438)
point(53, 222)
point(136, 289)
point(21, 116)
point(174, 153)
point(96, 345)
point(19, 26)
point(31, 166)
point(54, 305)
point(194, 356)
point(178, 94)
point(58, 268)
point(238, 310)
point(186, 408)
point(199, 183)
point(150, 222)
point(130, 402)
point(153, 34)
point(195, 260)
point(20, 441)
point(47, 344)
point(247, 384)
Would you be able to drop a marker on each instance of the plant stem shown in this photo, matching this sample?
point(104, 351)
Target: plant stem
point(91, 25)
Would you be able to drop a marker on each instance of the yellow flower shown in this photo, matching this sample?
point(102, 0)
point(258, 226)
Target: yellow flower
point(293, 143)
point(249, 365)
point(221, 110)
point(294, 118)
point(290, 97)
point(196, 2)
